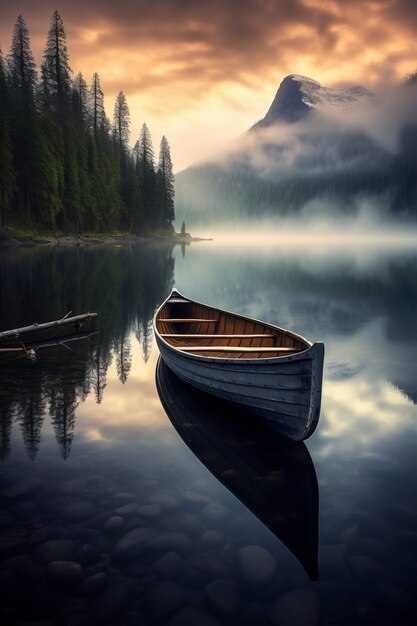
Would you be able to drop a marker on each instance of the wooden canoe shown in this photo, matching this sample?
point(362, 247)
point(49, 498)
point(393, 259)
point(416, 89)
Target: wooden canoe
point(271, 372)
point(273, 477)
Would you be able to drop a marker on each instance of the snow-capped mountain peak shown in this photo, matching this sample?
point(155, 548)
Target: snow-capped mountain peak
point(298, 95)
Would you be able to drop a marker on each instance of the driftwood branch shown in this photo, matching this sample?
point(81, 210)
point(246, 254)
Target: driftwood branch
point(16, 332)
point(49, 344)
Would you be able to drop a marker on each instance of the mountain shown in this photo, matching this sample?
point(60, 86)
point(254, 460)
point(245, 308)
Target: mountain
point(298, 95)
point(317, 152)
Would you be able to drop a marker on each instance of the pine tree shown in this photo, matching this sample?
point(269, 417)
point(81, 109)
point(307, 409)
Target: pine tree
point(7, 173)
point(145, 148)
point(81, 97)
point(22, 68)
point(166, 185)
point(97, 114)
point(23, 83)
point(121, 120)
point(55, 70)
point(145, 170)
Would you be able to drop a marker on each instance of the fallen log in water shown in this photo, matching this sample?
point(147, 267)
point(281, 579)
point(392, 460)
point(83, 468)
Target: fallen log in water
point(31, 349)
point(50, 344)
point(16, 332)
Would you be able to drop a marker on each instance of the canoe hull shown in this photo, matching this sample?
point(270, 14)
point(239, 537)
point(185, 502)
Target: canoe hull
point(286, 390)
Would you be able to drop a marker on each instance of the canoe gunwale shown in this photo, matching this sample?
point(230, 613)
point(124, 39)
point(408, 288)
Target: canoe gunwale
point(209, 359)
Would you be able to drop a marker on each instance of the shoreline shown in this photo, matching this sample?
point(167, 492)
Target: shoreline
point(30, 241)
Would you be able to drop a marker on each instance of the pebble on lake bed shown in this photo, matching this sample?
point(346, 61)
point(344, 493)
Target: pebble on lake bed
point(224, 596)
point(78, 511)
point(65, 572)
point(256, 566)
point(164, 599)
point(296, 608)
point(23, 488)
point(114, 524)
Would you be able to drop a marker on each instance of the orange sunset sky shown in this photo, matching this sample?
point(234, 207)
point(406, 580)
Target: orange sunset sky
point(203, 71)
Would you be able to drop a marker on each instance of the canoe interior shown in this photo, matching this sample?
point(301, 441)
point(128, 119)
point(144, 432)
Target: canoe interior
point(203, 330)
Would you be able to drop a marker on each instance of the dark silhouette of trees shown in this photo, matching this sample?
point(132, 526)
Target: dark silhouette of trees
point(55, 70)
point(62, 165)
point(121, 120)
point(22, 67)
point(97, 113)
point(145, 170)
point(7, 172)
point(166, 184)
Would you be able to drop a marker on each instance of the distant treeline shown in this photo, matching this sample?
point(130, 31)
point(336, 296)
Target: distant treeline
point(63, 165)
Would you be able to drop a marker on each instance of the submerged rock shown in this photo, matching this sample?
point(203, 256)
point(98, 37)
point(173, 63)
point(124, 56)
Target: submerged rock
point(128, 510)
point(78, 511)
point(363, 568)
point(214, 512)
point(169, 566)
point(94, 584)
point(256, 566)
point(65, 572)
point(223, 596)
point(213, 538)
point(149, 510)
point(164, 599)
point(189, 523)
point(296, 608)
point(73, 485)
point(192, 617)
point(332, 561)
point(125, 496)
point(171, 540)
point(167, 501)
point(134, 542)
point(114, 524)
point(25, 566)
point(110, 603)
point(56, 550)
point(23, 488)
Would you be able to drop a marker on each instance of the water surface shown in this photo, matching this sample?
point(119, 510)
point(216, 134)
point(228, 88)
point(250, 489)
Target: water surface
point(94, 473)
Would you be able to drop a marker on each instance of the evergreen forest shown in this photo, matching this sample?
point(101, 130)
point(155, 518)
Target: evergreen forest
point(64, 166)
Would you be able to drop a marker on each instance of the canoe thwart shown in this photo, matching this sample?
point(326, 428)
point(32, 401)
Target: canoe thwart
point(206, 336)
point(235, 349)
point(181, 320)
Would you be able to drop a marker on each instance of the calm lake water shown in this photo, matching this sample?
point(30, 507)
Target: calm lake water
point(109, 511)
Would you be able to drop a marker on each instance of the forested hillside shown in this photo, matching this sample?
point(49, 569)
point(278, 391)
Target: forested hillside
point(312, 162)
point(63, 165)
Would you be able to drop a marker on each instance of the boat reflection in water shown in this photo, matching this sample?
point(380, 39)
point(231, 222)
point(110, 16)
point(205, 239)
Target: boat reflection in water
point(272, 476)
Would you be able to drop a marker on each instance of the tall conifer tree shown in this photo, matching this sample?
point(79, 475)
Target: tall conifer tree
point(145, 169)
point(22, 68)
point(56, 72)
point(166, 184)
point(7, 174)
point(81, 97)
point(97, 113)
point(121, 120)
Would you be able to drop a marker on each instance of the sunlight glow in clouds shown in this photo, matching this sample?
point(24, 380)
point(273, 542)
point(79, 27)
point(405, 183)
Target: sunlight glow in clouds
point(203, 72)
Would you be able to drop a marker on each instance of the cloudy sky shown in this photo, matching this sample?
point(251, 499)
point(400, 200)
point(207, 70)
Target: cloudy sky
point(203, 71)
